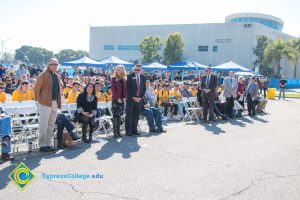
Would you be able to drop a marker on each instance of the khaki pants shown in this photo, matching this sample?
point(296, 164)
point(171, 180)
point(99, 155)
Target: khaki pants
point(47, 123)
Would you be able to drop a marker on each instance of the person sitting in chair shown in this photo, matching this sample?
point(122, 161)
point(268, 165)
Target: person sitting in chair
point(153, 117)
point(166, 102)
point(63, 122)
point(5, 130)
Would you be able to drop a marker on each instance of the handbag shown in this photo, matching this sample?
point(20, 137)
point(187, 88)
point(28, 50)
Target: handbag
point(67, 140)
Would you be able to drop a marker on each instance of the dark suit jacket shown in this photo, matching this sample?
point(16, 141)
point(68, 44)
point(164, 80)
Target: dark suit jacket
point(212, 83)
point(132, 87)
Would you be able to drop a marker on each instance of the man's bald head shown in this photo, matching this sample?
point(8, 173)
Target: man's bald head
point(52, 64)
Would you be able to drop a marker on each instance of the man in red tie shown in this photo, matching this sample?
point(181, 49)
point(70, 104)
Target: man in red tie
point(136, 89)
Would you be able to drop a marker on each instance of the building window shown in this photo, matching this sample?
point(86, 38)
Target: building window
point(202, 48)
point(215, 48)
point(247, 25)
point(128, 47)
point(108, 47)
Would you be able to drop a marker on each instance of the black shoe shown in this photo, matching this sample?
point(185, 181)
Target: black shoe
point(7, 157)
point(224, 118)
point(60, 146)
point(45, 149)
point(153, 131)
point(129, 134)
point(74, 136)
point(212, 120)
point(162, 130)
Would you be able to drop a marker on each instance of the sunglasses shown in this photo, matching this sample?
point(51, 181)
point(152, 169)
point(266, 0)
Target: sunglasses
point(2, 88)
point(54, 64)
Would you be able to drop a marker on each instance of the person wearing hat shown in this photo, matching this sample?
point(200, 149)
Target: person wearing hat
point(136, 89)
point(185, 91)
point(166, 101)
point(194, 90)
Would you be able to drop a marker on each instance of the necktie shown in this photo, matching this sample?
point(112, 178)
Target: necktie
point(138, 85)
point(207, 81)
point(249, 88)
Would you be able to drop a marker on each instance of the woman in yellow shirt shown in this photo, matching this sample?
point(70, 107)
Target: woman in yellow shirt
point(22, 93)
point(2, 93)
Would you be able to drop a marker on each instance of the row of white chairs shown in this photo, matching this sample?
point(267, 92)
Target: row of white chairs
point(25, 122)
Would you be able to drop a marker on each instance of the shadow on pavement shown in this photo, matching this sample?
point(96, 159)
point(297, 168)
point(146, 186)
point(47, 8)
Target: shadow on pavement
point(126, 146)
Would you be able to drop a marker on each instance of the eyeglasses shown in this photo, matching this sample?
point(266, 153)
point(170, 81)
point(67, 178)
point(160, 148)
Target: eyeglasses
point(54, 64)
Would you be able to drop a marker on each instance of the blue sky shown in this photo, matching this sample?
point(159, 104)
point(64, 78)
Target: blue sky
point(57, 25)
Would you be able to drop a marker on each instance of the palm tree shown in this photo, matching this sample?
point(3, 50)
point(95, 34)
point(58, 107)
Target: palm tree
point(296, 47)
point(278, 50)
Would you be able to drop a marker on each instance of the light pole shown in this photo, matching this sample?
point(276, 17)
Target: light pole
point(2, 42)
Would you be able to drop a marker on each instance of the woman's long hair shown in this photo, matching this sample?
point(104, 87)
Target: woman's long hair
point(123, 75)
point(85, 90)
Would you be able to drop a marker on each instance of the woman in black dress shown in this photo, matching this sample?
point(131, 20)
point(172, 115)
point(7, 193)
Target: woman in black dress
point(86, 110)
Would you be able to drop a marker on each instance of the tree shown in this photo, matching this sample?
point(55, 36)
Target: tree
point(8, 58)
point(258, 51)
point(278, 50)
point(174, 49)
point(70, 54)
point(296, 47)
point(150, 49)
point(33, 55)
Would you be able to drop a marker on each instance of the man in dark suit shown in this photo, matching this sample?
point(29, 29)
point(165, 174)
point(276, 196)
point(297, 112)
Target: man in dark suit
point(252, 92)
point(136, 89)
point(208, 83)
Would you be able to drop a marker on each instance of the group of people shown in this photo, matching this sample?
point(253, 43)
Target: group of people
point(154, 96)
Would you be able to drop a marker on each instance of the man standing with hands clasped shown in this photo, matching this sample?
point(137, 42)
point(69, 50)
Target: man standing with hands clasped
point(209, 83)
point(136, 89)
point(47, 93)
point(230, 89)
point(252, 92)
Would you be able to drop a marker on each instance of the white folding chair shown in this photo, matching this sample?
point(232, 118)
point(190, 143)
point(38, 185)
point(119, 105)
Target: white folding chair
point(195, 110)
point(28, 124)
point(71, 108)
point(12, 104)
point(104, 125)
point(30, 103)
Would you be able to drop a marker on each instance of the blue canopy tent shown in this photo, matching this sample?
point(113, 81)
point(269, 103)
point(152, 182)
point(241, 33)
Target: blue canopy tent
point(230, 66)
point(155, 66)
point(84, 61)
point(187, 65)
point(113, 61)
